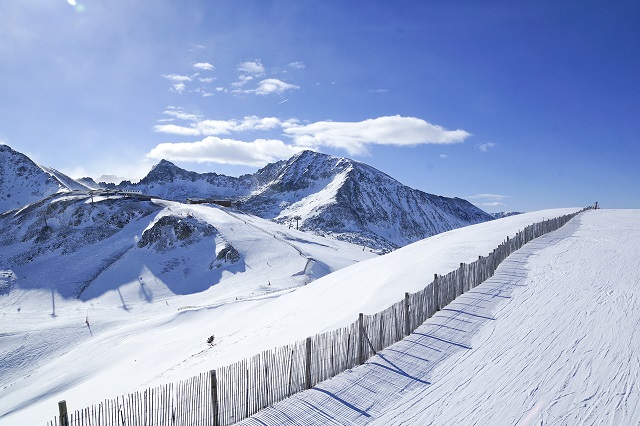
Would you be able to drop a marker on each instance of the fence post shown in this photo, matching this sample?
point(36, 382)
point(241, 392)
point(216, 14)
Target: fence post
point(214, 398)
point(307, 364)
point(407, 323)
point(436, 289)
point(62, 409)
point(461, 278)
point(360, 338)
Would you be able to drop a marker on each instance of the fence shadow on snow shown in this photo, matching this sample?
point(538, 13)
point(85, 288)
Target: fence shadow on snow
point(232, 393)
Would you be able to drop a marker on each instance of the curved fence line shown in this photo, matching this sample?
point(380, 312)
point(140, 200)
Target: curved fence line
point(232, 393)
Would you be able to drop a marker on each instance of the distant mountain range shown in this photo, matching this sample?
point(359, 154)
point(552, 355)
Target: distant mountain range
point(332, 196)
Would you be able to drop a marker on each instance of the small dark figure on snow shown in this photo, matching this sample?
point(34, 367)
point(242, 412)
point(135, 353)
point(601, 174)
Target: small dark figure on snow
point(210, 340)
point(596, 206)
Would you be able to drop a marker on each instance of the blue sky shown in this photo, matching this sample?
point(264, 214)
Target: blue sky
point(512, 105)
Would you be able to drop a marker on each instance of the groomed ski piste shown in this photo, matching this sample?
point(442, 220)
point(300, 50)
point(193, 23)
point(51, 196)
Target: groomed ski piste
point(551, 335)
point(551, 339)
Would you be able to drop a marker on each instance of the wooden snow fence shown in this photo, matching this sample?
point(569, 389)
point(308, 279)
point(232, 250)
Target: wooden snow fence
point(232, 393)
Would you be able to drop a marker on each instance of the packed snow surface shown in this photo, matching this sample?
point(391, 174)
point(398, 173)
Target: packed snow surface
point(550, 339)
point(141, 333)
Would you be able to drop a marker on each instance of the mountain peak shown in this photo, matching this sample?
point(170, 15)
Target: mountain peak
point(335, 196)
point(164, 172)
point(164, 164)
point(23, 182)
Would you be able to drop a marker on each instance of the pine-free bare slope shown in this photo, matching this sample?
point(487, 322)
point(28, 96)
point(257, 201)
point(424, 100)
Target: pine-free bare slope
point(145, 335)
point(552, 338)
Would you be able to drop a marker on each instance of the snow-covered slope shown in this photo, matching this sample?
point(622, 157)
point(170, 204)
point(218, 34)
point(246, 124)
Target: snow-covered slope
point(328, 195)
point(149, 321)
point(23, 182)
point(83, 245)
point(550, 339)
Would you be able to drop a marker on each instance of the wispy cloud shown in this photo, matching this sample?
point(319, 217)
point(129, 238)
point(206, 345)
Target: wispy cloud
point(213, 149)
point(444, 156)
point(251, 80)
point(202, 91)
point(179, 87)
point(354, 137)
point(220, 127)
point(204, 66)
point(484, 147)
point(179, 113)
point(177, 78)
point(252, 67)
point(488, 196)
point(273, 85)
point(489, 200)
point(242, 80)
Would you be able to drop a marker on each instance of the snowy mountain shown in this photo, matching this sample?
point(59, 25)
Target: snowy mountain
point(83, 244)
point(23, 182)
point(328, 195)
point(150, 317)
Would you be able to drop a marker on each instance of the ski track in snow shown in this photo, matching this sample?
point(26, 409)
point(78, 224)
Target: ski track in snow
point(550, 339)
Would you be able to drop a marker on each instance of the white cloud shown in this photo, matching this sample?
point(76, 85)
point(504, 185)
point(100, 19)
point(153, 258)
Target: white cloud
point(297, 65)
point(242, 80)
point(220, 127)
point(204, 66)
point(202, 91)
point(177, 78)
point(493, 204)
point(484, 147)
point(206, 79)
point(179, 113)
point(225, 151)
point(488, 196)
point(355, 136)
point(179, 87)
point(174, 129)
point(273, 85)
point(444, 156)
point(252, 67)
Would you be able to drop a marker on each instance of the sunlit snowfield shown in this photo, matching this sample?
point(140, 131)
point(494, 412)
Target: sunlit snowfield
point(144, 334)
point(551, 338)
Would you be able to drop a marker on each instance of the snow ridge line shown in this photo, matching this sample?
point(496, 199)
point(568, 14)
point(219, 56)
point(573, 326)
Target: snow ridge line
point(235, 392)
